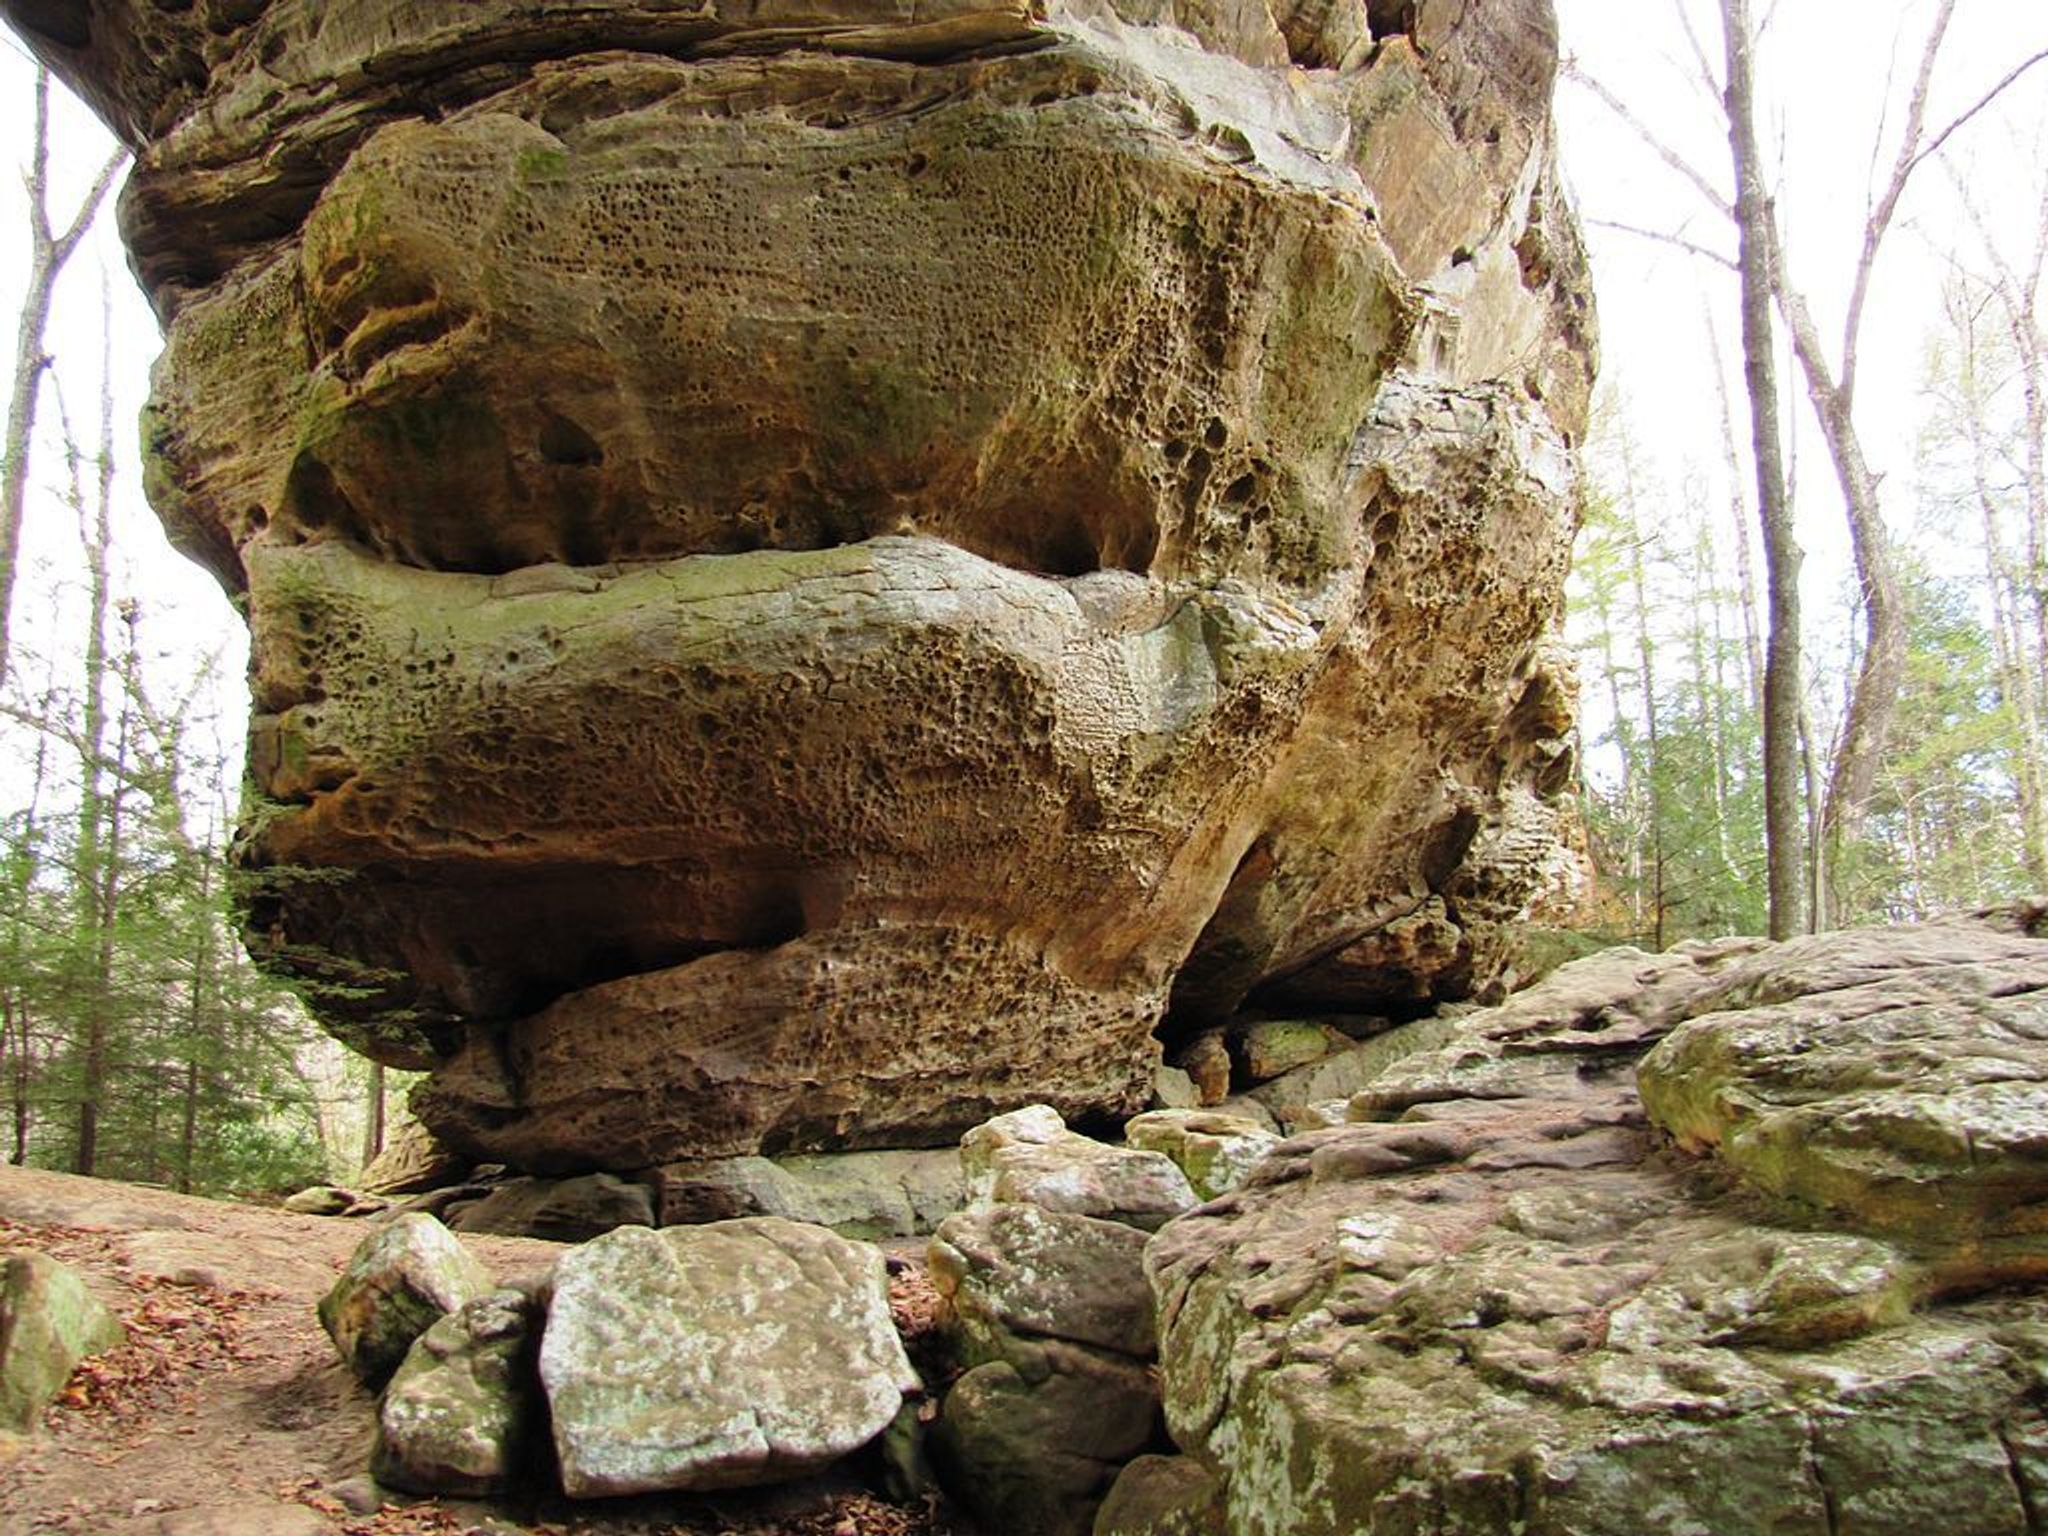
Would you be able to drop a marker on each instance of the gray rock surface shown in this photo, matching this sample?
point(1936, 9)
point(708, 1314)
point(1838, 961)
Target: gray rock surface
point(1213, 1149)
point(399, 1281)
point(459, 1415)
point(1509, 1297)
point(1034, 1455)
point(1030, 1156)
point(1052, 1315)
point(719, 1356)
point(869, 1195)
point(1015, 1272)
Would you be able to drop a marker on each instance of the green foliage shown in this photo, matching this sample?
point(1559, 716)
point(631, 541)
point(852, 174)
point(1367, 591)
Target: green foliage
point(128, 937)
point(1673, 796)
point(1673, 793)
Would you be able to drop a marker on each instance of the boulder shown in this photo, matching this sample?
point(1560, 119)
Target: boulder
point(1173, 1088)
point(413, 1161)
point(814, 570)
point(1162, 1496)
point(1300, 1100)
point(1034, 1457)
point(322, 1200)
point(49, 1322)
point(561, 1210)
point(458, 1416)
point(399, 1281)
point(720, 1356)
point(1051, 1314)
point(1214, 1150)
point(1014, 1272)
point(1030, 1156)
point(1270, 1047)
point(1519, 1292)
point(1896, 1080)
point(870, 1195)
point(1206, 1061)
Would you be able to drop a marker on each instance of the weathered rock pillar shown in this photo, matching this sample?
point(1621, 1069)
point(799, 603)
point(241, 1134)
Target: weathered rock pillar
point(816, 568)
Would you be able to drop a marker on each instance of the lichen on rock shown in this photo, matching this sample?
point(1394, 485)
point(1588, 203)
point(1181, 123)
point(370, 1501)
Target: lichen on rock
point(1766, 1292)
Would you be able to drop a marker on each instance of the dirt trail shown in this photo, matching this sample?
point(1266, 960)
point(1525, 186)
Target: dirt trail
point(227, 1413)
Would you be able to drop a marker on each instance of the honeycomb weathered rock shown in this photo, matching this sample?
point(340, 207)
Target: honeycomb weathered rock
point(818, 567)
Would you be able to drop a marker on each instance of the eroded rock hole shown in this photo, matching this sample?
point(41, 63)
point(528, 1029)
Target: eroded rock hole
point(315, 500)
point(564, 442)
point(1390, 18)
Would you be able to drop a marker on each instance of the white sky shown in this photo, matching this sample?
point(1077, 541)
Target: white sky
point(1824, 65)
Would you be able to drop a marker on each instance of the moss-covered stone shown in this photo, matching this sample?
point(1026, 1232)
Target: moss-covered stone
point(49, 1322)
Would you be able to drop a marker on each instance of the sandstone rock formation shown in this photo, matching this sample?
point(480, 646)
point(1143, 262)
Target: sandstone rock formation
point(818, 570)
point(1790, 1284)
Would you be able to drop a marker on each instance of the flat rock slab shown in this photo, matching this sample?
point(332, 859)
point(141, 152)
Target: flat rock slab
point(1501, 1300)
point(720, 1356)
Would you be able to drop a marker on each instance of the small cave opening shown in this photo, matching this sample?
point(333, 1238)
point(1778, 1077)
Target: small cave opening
point(1390, 18)
point(567, 443)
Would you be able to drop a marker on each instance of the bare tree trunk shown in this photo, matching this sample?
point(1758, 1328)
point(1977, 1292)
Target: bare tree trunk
point(2009, 646)
point(373, 1120)
point(1646, 661)
point(1881, 669)
point(20, 1017)
point(195, 1019)
point(1781, 551)
point(102, 796)
point(1816, 850)
point(1738, 519)
point(48, 252)
point(1711, 693)
point(1873, 696)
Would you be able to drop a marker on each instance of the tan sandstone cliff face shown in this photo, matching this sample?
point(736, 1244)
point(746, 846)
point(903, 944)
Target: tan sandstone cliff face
point(815, 568)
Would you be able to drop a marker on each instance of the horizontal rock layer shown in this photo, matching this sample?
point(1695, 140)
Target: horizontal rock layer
point(817, 572)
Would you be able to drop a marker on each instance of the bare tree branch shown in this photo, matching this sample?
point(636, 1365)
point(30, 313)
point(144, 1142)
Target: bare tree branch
point(1663, 237)
point(1671, 157)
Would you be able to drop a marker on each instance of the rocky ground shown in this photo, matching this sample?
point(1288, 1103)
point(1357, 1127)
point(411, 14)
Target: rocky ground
point(228, 1413)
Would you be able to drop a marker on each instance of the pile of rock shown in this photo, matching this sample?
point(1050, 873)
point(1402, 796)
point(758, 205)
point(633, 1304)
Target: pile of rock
point(1293, 1074)
point(759, 1349)
point(740, 1352)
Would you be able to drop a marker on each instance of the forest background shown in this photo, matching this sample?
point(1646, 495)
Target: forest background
point(137, 1041)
